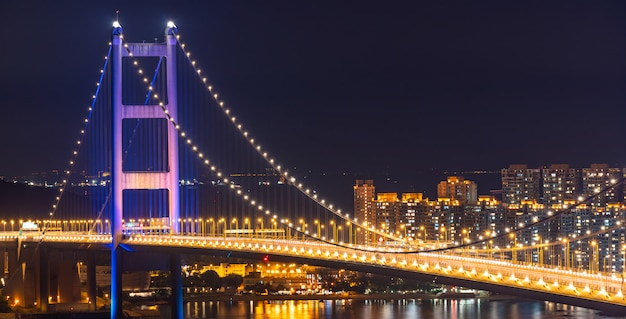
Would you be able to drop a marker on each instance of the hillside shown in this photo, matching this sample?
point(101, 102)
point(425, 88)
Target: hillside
point(20, 201)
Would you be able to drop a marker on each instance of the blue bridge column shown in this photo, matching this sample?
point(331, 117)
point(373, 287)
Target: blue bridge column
point(116, 284)
point(177, 286)
point(116, 168)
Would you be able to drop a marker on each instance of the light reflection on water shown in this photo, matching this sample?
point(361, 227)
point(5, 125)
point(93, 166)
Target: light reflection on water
point(385, 309)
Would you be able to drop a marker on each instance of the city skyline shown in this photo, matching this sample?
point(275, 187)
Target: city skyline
point(574, 181)
point(446, 87)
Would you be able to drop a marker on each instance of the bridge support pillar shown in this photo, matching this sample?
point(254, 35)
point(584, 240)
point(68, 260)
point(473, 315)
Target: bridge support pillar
point(44, 278)
point(15, 282)
point(177, 286)
point(4, 261)
point(116, 283)
point(67, 276)
point(91, 280)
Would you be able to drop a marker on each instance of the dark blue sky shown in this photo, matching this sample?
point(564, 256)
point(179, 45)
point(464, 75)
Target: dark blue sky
point(357, 86)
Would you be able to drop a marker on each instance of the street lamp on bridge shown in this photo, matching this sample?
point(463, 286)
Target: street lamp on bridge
point(260, 220)
point(236, 222)
point(442, 230)
point(349, 224)
point(339, 230)
point(222, 220)
point(302, 227)
point(317, 222)
point(567, 258)
point(514, 250)
point(213, 230)
point(594, 262)
point(246, 225)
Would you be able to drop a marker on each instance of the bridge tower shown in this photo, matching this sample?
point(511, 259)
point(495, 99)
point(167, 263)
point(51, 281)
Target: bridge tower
point(165, 179)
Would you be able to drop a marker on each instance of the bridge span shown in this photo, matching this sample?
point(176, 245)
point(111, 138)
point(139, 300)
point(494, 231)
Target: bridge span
point(597, 291)
point(160, 148)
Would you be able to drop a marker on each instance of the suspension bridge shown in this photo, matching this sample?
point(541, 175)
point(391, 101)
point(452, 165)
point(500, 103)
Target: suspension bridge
point(163, 167)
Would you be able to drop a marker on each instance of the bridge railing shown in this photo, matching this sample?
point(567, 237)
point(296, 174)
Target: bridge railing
point(500, 272)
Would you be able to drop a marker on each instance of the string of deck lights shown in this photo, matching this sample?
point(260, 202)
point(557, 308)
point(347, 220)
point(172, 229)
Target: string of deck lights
point(206, 161)
point(312, 194)
point(81, 138)
point(213, 168)
point(601, 292)
point(568, 282)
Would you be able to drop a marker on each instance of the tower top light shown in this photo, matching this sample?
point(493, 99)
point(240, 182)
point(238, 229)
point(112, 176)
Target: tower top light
point(171, 28)
point(117, 28)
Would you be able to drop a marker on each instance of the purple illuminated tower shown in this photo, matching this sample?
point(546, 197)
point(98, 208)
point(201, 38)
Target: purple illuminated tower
point(166, 179)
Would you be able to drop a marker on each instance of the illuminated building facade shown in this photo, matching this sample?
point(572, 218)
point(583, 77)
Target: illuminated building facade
point(560, 183)
point(448, 221)
point(598, 177)
point(520, 183)
point(364, 208)
point(456, 188)
point(388, 217)
point(488, 216)
point(225, 269)
point(411, 208)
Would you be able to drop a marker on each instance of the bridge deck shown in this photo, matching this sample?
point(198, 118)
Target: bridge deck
point(605, 289)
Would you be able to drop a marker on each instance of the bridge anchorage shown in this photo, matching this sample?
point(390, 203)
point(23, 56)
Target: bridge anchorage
point(143, 188)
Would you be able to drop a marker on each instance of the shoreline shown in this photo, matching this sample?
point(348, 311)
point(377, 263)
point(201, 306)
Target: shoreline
point(379, 296)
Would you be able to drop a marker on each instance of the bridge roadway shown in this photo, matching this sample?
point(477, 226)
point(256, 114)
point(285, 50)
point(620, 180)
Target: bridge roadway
point(596, 291)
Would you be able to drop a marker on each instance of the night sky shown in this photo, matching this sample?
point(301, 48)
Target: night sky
point(344, 86)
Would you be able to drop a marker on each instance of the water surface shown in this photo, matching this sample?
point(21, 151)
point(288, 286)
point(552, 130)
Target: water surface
point(386, 309)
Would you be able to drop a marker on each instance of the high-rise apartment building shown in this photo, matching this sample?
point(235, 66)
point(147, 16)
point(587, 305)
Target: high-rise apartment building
point(560, 184)
point(598, 177)
point(364, 208)
point(520, 183)
point(388, 217)
point(408, 216)
point(448, 220)
point(412, 206)
point(456, 188)
point(488, 217)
